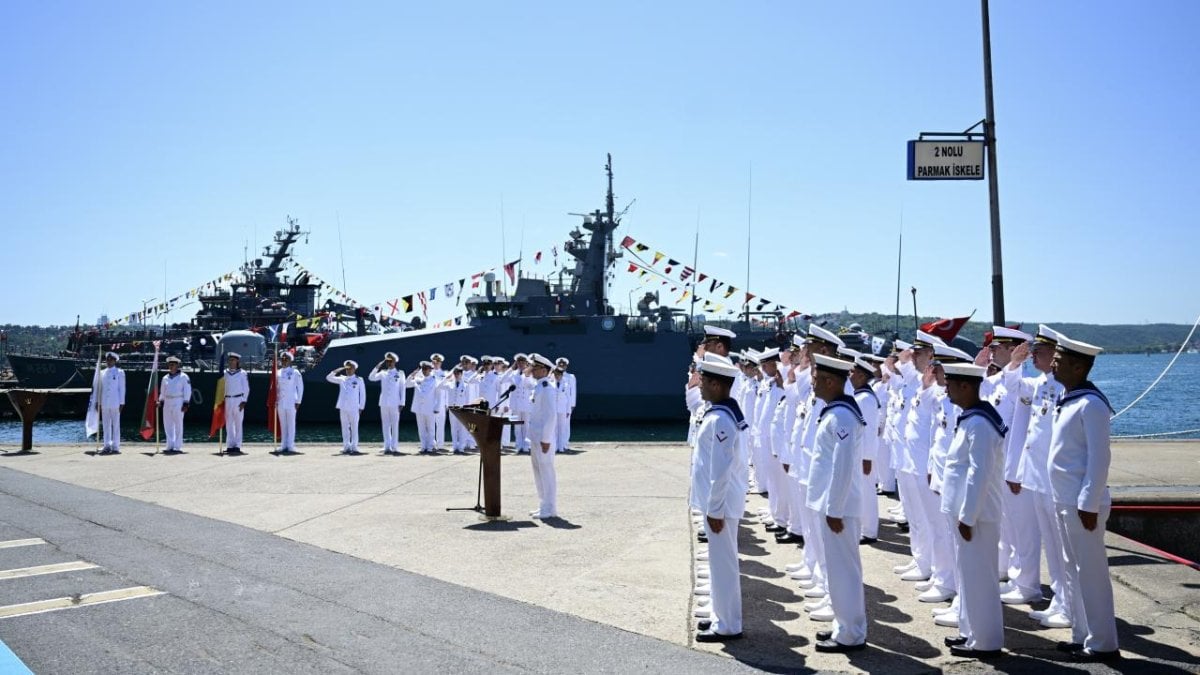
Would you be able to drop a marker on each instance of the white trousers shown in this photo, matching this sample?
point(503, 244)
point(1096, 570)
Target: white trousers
point(287, 426)
point(868, 513)
point(438, 433)
point(941, 546)
point(426, 430)
point(844, 580)
point(913, 502)
point(1086, 566)
point(546, 481)
point(562, 431)
point(389, 416)
point(460, 438)
point(172, 413)
point(506, 432)
point(1020, 541)
point(350, 428)
point(520, 438)
point(794, 494)
point(884, 473)
point(1047, 517)
point(980, 614)
point(725, 578)
point(233, 422)
point(814, 544)
point(110, 417)
point(761, 453)
point(777, 485)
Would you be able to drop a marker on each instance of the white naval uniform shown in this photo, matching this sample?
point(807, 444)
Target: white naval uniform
point(871, 409)
point(1019, 550)
point(456, 394)
point(425, 405)
point(835, 491)
point(1078, 466)
point(720, 476)
point(541, 429)
point(237, 390)
point(920, 505)
point(289, 393)
point(971, 493)
point(519, 400)
point(768, 395)
point(942, 529)
point(392, 397)
point(563, 418)
point(352, 398)
point(1040, 394)
point(174, 392)
point(885, 475)
point(440, 411)
point(112, 397)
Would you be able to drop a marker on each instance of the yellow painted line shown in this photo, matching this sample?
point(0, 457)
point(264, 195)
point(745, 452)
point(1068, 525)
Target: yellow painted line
point(82, 600)
point(45, 569)
point(14, 543)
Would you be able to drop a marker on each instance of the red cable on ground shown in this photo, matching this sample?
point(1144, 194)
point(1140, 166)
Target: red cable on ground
point(1151, 507)
point(1169, 556)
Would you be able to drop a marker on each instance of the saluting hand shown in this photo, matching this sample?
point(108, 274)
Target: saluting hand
point(1019, 354)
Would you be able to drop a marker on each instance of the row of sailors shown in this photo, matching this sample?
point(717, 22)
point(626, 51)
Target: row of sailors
point(507, 388)
point(991, 467)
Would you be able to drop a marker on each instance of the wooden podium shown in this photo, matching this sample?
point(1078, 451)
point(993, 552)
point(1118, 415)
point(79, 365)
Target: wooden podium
point(28, 403)
point(485, 429)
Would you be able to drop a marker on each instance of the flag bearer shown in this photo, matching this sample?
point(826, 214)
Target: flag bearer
point(174, 395)
point(237, 390)
point(352, 398)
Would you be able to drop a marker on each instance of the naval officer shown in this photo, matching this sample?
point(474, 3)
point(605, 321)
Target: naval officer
point(237, 390)
point(834, 495)
point(1078, 466)
point(971, 488)
point(112, 403)
point(352, 398)
point(871, 408)
point(425, 404)
point(174, 395)
point(289, 392)
point(392, 394)
point(720, 476)
point(718, 340)
point(440, 410)
point(543, 418)
point(519, 400)
point(566, 403)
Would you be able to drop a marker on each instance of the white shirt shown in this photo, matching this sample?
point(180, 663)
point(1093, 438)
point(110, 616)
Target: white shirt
point(177, 388)
point(872, 409)
point(1079, 449)
point(833, 486)
point(352, 391)
point(973, 478)
point(543, 412)
point(1040, 395)
point(289, 387)
point(392, 389)
point(458, 392)
point(720, 464)
point(425, 393)
point(112, 387)
point(237, 386)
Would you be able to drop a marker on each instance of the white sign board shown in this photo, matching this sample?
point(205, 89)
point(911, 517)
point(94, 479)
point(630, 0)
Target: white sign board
point(945, 160)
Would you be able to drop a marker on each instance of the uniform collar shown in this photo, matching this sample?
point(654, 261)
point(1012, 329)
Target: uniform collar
point(847, 403)
point(988, 412)
point(1085, 389)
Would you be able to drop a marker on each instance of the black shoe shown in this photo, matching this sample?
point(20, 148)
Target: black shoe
point(234, 451)
point(702, 538)
point(903, 527)
point(703, 625)
point(789, 538)
point(1069, 647)
point(823, 635)
point(832, 647)
point(709, 636)
point(288, 453)
point(955, 641)
point(975, 653)
point(1091, 656)
point(866, 541)
point(775, 528)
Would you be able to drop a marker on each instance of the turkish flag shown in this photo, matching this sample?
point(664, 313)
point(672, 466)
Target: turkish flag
point(945, 328)
point(271, 397)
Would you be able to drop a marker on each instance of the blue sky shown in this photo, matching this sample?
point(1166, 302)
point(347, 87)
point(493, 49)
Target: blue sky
point(147, 143)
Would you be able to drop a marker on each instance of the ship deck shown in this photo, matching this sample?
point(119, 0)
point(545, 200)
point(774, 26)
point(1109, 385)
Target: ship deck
point(330, 563)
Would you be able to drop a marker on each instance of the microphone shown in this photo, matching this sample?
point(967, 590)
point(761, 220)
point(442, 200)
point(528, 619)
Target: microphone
point(504, 396)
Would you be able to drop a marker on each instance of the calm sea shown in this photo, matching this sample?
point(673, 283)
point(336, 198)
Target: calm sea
point(1170, 406)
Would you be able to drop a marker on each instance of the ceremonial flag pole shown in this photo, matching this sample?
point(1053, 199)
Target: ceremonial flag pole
point(217, 426)
point(150, 413)
point(92, 423)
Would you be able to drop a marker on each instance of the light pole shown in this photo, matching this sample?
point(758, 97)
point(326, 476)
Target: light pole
point(146, 302)
point(989, 139)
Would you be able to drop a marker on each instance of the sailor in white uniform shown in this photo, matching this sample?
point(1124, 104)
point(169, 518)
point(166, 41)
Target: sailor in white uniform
point(717, 341)
point(352, 398)
point(720, 475)
point(392, 396)
point(112, 403)
point(541, 428)
point(289, 392)
point(519, 400)
point(566, 403)
point(237, 391)
point(174, 395)
point(971, 492)
point(458, 396)
point(440, 411)
point(1078, 465)
point(425, 402)
point(834, 494)
point(872, 410)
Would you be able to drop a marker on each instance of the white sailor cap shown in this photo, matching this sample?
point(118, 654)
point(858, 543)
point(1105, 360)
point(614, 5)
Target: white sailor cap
point(818, 334)
point(113, 356)
point(350, 364)
point(436, 357)
point(712, 332)
point(926, 341)
point(234, 355)
point(392, 356)
point(485, 359)
point(501, 360)
point(715, 364)
point(472, 360)
point(520, 357)
point(286, 355)
point(175, 359)
point(541, 361)
point(563, 361)
point(947, 354)
point(832, 365)
point(850, 354)
point(874, 358)
point(1004, 334)
point(425, 364)
point(771, 354)
point(1066, 344)
point(751, 359)
point(964, 371)
point(900, 345)
point(862, 363)
point(798, 341)
point(1046, 335)
point(466, 357)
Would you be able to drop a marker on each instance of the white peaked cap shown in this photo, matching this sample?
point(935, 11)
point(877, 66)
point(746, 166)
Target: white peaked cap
point(816, 332)
point(425, 364)
point(1011, 334)
point(1066, 344)
point(964, 370)
point(862, 362)
point(436, 357)
point(542, 361)
point(901, 345)
point(829, 363)
point(1047, 335)
point(392, 356)
point(348, 363)
point(946, 351)
point(768, 355)
point(851, 353)
point(113, 356)
point(719, 332)
point(715, 364)
point(925, 339)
